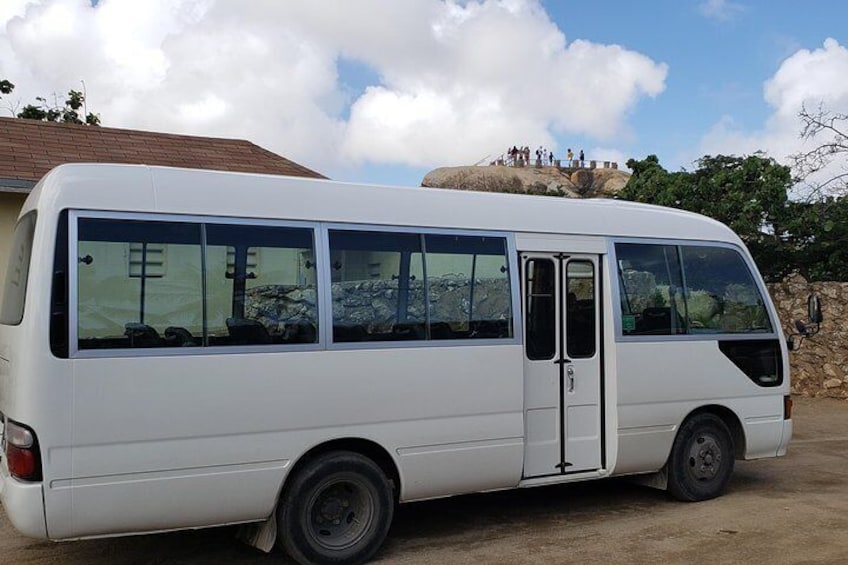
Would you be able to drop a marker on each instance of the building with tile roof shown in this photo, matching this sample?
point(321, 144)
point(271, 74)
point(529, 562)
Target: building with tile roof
point(29, 148)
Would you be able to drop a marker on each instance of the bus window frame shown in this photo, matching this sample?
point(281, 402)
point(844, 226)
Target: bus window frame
point(616, 297)
point(73, 283)
point(514, 286)
point(320, 231)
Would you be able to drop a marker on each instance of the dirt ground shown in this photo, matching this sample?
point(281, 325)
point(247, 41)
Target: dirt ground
point(787, 510)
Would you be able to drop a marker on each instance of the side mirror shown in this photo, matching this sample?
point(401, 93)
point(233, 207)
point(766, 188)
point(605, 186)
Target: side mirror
point(814, 319)
point(814, 311)
point(791, 344)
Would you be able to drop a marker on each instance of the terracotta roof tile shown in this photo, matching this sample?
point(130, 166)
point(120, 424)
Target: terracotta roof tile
point(28, 149)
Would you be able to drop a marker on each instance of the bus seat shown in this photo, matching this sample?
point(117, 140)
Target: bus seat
point(142, 335)
point(178, 337)
point(302, 331)
point(657, 321)
point(245, 331)
point(441, 330)
point(410, 330)
point(347, 334)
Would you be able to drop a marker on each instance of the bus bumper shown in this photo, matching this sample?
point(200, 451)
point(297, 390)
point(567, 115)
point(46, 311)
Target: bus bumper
point(24, 505)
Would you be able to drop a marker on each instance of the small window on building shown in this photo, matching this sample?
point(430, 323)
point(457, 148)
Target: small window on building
point(252, 259)
point(147, 260)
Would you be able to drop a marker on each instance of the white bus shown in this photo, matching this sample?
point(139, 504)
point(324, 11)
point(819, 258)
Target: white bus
point(182, 349)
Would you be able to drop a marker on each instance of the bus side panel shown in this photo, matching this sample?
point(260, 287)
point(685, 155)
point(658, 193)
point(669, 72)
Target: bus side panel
point(660, 383)
point(198, 440)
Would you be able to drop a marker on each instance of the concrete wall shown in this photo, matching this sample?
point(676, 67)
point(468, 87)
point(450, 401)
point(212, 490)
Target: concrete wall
point(10, 206)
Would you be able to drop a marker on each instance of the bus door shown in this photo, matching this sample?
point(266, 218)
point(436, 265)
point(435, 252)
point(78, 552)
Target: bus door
point(562, 363)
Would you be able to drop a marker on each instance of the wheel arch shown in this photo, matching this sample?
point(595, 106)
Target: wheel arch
point(365, 447)
point(730, 419)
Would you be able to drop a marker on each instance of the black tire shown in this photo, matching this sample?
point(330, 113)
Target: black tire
point(701, 460)
point(336, 510)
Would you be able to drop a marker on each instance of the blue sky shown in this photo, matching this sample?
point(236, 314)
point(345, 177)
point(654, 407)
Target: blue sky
point(382, 91)
point(718, 62)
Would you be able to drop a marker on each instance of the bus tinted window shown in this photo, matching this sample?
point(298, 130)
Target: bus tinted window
point(377, 286)
point(541, 309)
point(708, 290)
point(379, 281)
point(139, 284)
point(651, 289)
point(17, 272)
point(580, 309)
point(261, 285)
point(468, 287)
point(721, 293)
point(149, 284)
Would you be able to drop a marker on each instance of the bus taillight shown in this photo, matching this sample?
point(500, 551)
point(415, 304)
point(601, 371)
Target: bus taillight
point(787, 407)
point(22, 455)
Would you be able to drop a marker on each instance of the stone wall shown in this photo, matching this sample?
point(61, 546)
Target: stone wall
point(820, 365)
point(374, 304)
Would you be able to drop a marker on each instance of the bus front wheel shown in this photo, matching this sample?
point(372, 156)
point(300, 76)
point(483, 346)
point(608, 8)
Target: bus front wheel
point(701, 459)
point(337, 509)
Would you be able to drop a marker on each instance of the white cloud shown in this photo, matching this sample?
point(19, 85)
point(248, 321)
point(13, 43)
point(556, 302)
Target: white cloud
point(455, 80)
point(808, 77)
point(720, 10)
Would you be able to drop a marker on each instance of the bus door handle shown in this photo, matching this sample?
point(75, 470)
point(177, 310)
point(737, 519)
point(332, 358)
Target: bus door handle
point(570, 374)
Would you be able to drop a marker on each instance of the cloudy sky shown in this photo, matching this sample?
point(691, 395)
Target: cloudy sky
point(385, 90)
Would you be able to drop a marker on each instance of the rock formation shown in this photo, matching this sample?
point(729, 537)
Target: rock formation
point(568, 182)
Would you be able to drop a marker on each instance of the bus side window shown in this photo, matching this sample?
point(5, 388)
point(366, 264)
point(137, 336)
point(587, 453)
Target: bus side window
point(468, 287)
point(688, 289)
point(540, 288)
point(377, 286)
point(580, 310)
point(651, 286)
point(134, 280)
point(141, 284)
point(261, 285)
point(389, 286)
point(721, 292)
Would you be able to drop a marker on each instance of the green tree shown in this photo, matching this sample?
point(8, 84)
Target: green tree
point(817, 233)
point(67, 112)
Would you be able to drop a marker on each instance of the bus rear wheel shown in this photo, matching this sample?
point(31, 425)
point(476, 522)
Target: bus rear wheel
point(701, 459)
point(337, 510)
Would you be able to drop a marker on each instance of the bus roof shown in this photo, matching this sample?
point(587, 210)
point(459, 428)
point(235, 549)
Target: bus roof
point(146, 189)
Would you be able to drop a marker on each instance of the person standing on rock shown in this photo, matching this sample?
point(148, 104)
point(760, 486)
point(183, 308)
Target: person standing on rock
point(570, 156)
point(581, 159)
point(551, 157)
